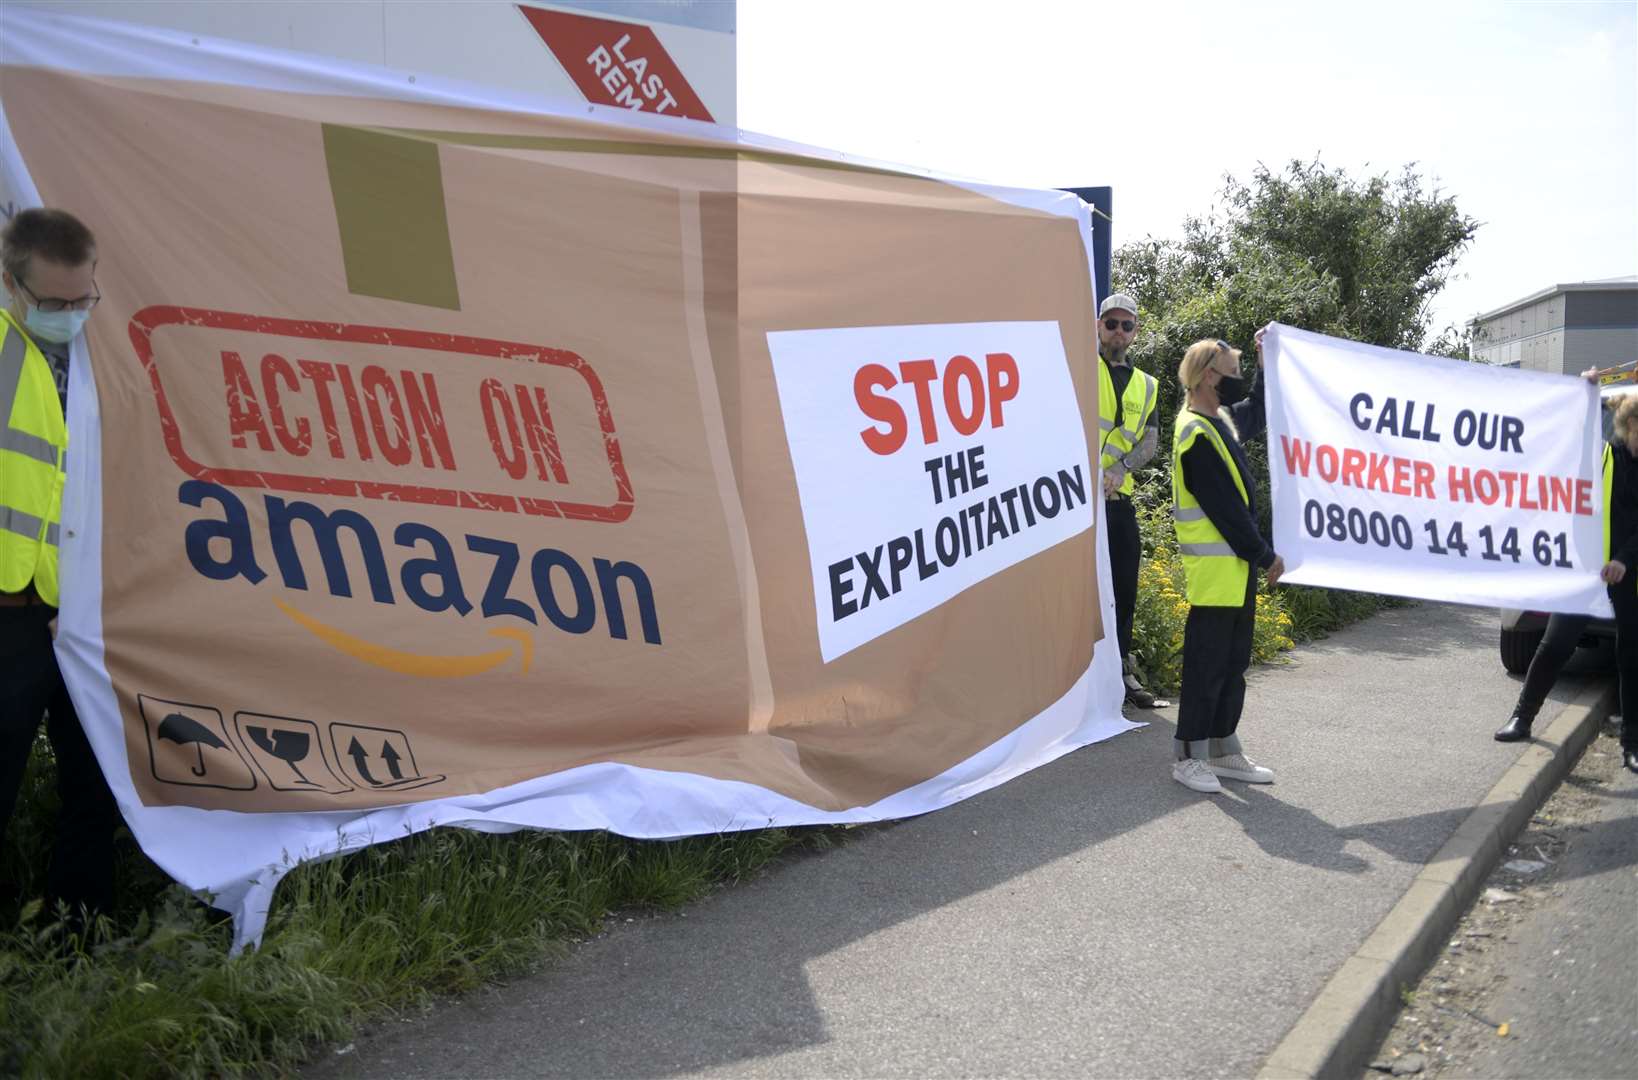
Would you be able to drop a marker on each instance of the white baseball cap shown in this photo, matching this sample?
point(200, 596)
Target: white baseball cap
point(1117, 302)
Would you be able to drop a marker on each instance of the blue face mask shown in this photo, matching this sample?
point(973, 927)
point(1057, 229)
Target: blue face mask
point(57, 327)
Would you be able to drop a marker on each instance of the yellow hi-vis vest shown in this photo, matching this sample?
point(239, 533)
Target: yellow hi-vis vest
point(1216, 576)
point(1609, 509)
point(1137, 406)
point(33, 442)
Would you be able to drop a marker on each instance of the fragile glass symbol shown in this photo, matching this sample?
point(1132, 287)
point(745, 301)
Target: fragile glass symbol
point(288, 745)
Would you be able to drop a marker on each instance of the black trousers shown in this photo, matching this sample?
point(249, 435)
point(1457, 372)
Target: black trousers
point(82, 860)
point(1125, 553)
point(1557, 646)
point(1559, 643)
point(1624, 598)
point(1216, 654)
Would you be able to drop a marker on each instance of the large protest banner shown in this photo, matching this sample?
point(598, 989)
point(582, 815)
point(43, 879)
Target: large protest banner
point(437, 458)
point(1428, 477)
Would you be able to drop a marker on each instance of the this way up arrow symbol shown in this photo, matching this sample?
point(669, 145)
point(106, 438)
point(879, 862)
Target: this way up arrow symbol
point(359, 756)
point(390, 756)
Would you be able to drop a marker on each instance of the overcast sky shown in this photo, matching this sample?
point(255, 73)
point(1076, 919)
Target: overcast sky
point(1526, 112)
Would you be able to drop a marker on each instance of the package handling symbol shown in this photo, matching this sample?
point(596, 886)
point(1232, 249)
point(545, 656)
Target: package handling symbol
point(189, 745)
point(183, 730)
point(377, 758)
point(289, 752)
point(361, 761)
point(287, 745)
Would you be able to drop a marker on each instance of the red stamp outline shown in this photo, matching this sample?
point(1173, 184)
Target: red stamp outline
point(149, 319)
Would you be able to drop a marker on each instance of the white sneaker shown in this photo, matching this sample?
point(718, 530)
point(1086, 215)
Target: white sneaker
point(1194, 773)
point(1240, 767)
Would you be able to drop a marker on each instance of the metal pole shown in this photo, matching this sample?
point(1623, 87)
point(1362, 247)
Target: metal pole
point(1102, 200)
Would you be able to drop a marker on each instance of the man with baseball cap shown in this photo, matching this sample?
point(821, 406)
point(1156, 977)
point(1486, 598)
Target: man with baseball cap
point(1126, 409)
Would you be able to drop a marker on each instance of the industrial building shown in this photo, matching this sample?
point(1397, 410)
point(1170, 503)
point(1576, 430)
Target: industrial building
point(1563, 328)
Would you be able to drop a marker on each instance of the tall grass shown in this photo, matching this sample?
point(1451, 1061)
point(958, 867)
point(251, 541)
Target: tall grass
point(154, 992)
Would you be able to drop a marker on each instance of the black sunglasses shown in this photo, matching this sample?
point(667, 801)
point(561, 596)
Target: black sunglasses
point(1119, 324)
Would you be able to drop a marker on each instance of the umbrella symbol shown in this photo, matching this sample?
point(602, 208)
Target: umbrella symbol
point(182, 729)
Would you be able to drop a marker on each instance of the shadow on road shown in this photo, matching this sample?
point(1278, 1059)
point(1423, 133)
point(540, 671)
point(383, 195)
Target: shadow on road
point(1298, 835)
point(1288, 832)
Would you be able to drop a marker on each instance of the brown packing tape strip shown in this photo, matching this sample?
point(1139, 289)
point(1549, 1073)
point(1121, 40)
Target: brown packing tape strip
point(389, 197)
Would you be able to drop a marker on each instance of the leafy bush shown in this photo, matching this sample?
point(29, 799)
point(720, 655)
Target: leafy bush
point(1271, 634)
point(1158, 621)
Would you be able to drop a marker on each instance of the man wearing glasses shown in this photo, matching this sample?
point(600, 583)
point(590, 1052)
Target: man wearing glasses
point(48, 258)
point(1126, 408)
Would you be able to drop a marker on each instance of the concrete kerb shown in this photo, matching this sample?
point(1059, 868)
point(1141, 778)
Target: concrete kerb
point(1354, 1008)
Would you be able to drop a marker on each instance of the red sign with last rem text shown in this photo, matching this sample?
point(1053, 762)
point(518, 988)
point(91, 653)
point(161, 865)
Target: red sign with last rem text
point(617, 63)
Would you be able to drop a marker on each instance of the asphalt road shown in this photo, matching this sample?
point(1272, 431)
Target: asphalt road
point(1571, 985)
point(1092, 918)
point(1556, 959)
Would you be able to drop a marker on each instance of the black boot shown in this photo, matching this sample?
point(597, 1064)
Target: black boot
point(1517, 728)
point(1629, 757)
point(1136, 695)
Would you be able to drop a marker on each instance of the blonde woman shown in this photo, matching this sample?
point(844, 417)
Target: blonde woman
point(1214, 510)
point(1620, 575)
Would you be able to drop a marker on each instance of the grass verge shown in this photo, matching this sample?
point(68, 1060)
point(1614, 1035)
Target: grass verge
point(154, 992)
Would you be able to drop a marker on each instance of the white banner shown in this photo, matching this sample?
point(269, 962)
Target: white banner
point(1428, 477)
point(914, 486)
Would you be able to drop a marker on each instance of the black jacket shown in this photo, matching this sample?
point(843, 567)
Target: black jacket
point(1209, 481)
point(1623, 508)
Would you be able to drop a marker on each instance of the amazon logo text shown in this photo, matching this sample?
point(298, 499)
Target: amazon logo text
point(310, 547)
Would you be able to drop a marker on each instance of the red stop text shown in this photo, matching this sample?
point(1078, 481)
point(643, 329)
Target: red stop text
point(959, 394)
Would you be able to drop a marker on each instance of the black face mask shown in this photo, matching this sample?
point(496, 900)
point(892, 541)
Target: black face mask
point(1231, 390)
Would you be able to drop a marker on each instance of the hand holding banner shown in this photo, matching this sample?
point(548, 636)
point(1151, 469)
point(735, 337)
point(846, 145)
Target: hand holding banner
point(1428, 477)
